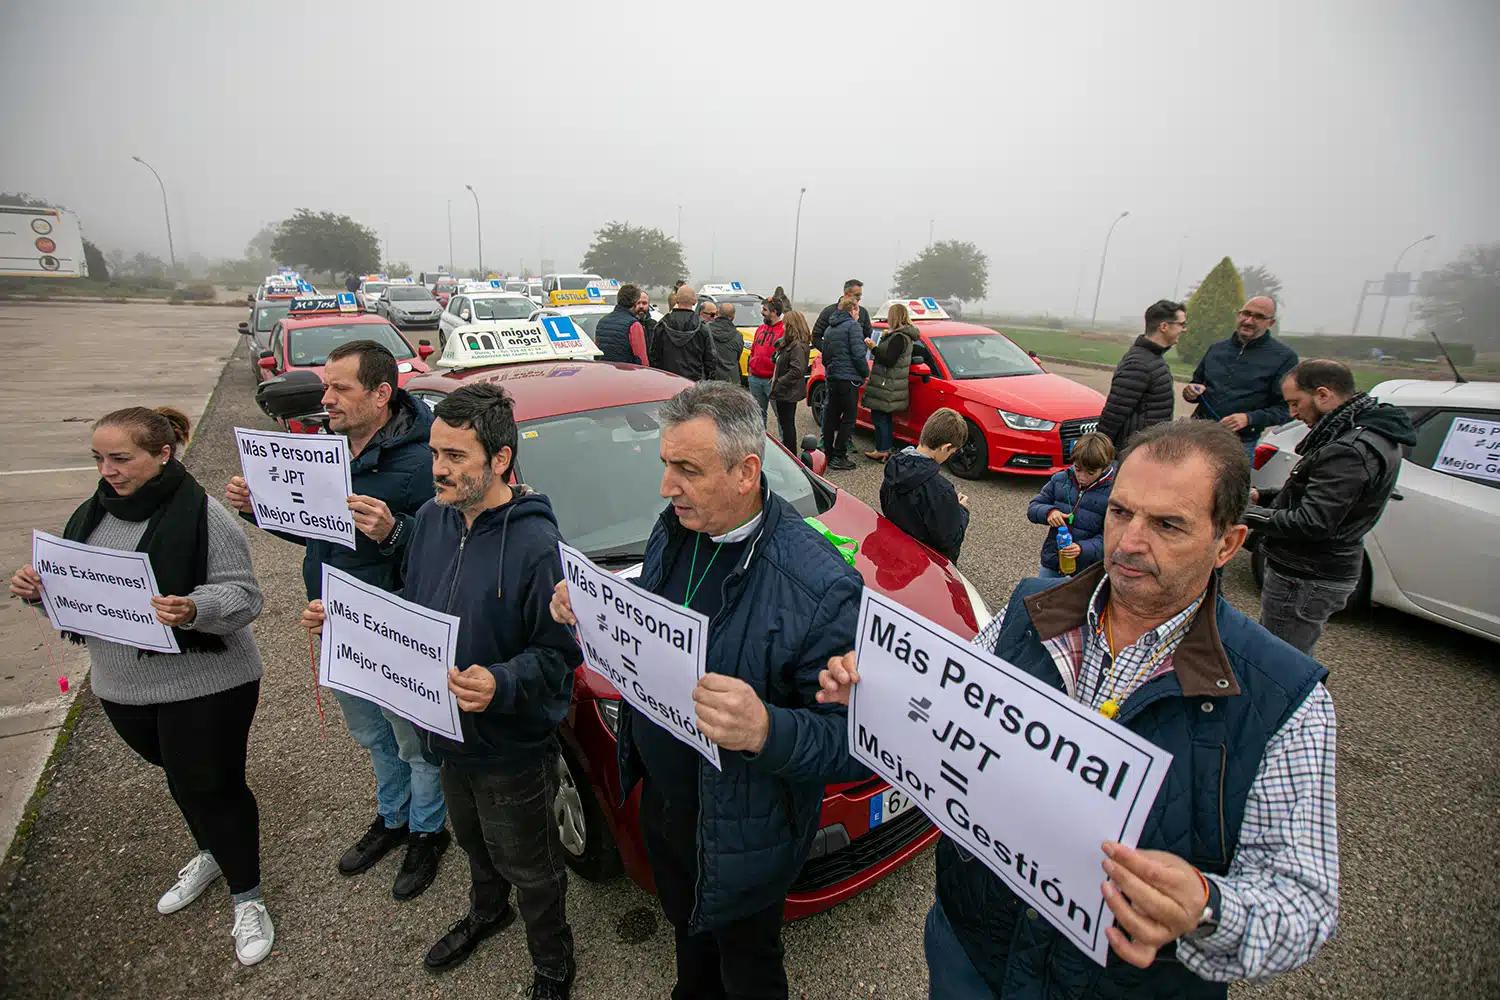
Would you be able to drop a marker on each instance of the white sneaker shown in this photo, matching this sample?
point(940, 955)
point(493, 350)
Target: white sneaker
point(254, 934)
point(195, 876)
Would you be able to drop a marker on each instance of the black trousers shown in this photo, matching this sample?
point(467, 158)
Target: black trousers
point(200, 743)
point(501, 811)
point(743, 960)
point(786, 417)
point(838, 416)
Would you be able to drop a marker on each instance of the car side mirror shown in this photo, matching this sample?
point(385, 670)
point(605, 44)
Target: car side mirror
point(244, 328)
point(424, 350)
point(267, 362)
point(923, 370)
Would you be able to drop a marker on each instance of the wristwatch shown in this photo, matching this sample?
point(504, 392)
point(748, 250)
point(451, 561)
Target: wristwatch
point(1208, 921)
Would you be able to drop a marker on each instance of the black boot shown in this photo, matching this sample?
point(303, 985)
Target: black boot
point(452, 948)
point(420, 865)
point(543, 988)
point(377, 842)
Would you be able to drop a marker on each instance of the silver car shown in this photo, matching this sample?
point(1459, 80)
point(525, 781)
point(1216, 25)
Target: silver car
point(409, 307)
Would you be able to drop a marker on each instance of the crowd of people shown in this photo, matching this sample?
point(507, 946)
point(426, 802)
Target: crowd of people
point(1235, 875)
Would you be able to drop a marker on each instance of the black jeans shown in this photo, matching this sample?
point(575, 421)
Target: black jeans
point(786, 418)
point(742, 960)
point(501, 811)
point(838, 416)
point(201, 745)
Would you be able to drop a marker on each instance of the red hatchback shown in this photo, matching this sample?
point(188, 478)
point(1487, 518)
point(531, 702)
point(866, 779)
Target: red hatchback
point(590, 441)
point(1021, 417)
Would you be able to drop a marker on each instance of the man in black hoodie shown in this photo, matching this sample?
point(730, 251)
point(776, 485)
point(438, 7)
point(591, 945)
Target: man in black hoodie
point(487, 552)
point(1313, 528)
point(682, 344)
point(728, 345)
point(916, 498)
point(1140, 393)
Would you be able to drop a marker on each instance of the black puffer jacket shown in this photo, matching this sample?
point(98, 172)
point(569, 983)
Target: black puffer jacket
point(1245, 378)
point(728, 345)
point(1315, 524)
point(682, 345)
point(1140, 394)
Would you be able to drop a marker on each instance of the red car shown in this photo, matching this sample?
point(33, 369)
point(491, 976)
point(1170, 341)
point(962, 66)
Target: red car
point(1021, 417)
point(587, 424)
point(302, 340)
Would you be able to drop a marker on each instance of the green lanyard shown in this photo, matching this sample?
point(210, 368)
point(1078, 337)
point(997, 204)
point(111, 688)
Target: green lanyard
point(692, 590)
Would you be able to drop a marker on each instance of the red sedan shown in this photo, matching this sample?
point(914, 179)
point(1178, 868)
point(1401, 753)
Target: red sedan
point(1021, 417)
point(590, 441)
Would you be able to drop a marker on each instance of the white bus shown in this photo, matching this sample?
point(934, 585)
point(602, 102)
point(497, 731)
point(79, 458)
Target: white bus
point(40, 243)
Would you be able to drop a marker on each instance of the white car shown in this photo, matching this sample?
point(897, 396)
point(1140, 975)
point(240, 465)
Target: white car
point(481, 307)
point(1435, 549)
point(587, 317)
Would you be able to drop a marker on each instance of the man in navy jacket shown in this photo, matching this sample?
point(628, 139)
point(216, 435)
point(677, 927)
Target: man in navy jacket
point(725, 846)
point(1238, 382)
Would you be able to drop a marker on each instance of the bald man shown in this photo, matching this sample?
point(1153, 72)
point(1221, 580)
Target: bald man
point(1238, 382)
point(682, 344)
point(728, 345)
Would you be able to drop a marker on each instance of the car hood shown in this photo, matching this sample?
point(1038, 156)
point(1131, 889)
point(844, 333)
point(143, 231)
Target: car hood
point(1044, 395)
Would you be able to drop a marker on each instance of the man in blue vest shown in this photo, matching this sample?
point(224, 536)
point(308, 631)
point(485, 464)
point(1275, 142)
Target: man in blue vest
point(621, 334)
point(1236, 872)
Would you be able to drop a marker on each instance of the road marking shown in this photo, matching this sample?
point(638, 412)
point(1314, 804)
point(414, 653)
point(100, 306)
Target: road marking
point(35, 707)
point(39, 472)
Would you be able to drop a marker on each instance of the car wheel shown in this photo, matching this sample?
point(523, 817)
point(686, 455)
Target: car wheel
point(817, 401)
point(973, 459)
point(588, 845)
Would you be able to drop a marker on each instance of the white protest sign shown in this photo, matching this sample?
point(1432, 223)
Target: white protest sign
point(299, 483)
point(105, 593)
point(1021, 776)
point(650, 649)
point(389, 651)
point(1472, 448)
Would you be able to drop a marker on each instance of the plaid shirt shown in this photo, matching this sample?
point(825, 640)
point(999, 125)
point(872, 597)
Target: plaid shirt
point(1279, 901)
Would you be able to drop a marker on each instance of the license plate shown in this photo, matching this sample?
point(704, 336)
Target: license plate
point(889, 804)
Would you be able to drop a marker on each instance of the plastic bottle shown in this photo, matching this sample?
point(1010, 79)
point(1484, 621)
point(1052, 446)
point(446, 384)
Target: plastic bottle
point(1066, 565)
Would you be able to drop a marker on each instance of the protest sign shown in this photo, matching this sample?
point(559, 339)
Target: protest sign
point(650, 649)
point(105, 593)
point(299, 483)
point(389, 651)
point(1022, 777)
point(1471, 448)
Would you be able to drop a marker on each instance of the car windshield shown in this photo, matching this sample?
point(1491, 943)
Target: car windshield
point(567, 457)
point(534, 290)
point(746, 309)
point(574, 282)
point(503, 308)
point(584, 321)
point(309, 347)
point(983, 355)
point(373, 286)
point(266, 317)
point(408, 293)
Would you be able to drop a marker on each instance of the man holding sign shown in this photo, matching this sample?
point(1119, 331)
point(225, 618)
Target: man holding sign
point(726, 843)
point(1235, 873)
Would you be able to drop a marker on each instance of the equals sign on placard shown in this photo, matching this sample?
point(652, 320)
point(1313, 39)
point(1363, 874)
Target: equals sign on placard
point(954, 777)
point(297, 497)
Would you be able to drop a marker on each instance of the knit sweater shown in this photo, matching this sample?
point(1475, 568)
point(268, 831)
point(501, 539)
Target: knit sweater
point(227, 604)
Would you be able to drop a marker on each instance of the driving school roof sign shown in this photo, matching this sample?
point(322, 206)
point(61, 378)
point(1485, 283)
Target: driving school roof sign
point(515, 341)
point(925, 307)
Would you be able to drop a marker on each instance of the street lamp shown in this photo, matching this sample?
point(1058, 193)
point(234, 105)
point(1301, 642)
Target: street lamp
point(1380, 329)
point(1103, 255)
point(796, 239)
point(478, 228)
point(171, 250)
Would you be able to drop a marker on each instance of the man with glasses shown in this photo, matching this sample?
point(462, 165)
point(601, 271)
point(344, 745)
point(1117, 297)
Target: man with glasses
point(1238, 382)
point(855, 289)
point(1140, 393)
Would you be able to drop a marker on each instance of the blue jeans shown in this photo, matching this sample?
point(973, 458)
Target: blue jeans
point(408, 790)
point(760, 388)
point(950, 973)
point(885, 434)
point(1049, 574)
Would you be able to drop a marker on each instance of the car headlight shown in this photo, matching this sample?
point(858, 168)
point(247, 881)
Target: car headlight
point(609, 711)
point(1020, 422)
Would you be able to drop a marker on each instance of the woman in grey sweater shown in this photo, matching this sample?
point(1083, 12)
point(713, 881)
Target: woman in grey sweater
point(188, 713)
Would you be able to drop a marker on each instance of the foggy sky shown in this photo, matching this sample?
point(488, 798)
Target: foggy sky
point(1317, 137)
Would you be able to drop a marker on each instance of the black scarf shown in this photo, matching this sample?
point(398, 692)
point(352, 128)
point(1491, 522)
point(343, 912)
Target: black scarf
point(175, 508)
point(1335, 422)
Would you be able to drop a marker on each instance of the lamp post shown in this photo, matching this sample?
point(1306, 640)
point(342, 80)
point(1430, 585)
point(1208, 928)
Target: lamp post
point(796, 240)
point(171, 250)
point(1386, 305)
point(478, 228)
point(450, 235)
point(1103, 256)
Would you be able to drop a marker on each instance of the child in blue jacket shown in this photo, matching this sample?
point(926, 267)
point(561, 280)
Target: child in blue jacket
point(1078, 496)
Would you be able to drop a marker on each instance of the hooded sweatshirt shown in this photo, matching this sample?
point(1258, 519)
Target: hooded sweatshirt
point(497, 577)
point(921, 502)
point(728, 345)
point(683, 346)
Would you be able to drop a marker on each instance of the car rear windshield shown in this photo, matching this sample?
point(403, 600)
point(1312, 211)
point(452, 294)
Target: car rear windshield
point(983, 355)
point(408, 293)
point(309, 347)
point(574, 282)
point(567, 457)
point(503, 308)
point(266, 317)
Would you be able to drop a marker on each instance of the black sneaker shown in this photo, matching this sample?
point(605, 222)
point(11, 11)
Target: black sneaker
point(842, 464)
point(377, 842)
point(420, 865)
point(455, 946)
point(543, 988)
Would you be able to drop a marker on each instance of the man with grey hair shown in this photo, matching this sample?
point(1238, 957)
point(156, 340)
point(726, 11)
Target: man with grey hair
point(725, 846)
point(682, 344)
point(728, 345)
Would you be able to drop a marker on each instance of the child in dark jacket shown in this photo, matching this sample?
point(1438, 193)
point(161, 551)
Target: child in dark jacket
point(914, 495)
point(1077, 497)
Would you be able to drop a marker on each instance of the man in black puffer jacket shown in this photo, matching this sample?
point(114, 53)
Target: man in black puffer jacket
point(1140, 394)
point(682, 344)
point(1313, 527)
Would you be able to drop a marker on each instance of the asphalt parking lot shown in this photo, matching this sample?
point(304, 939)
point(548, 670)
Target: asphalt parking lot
point(1419, 823)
